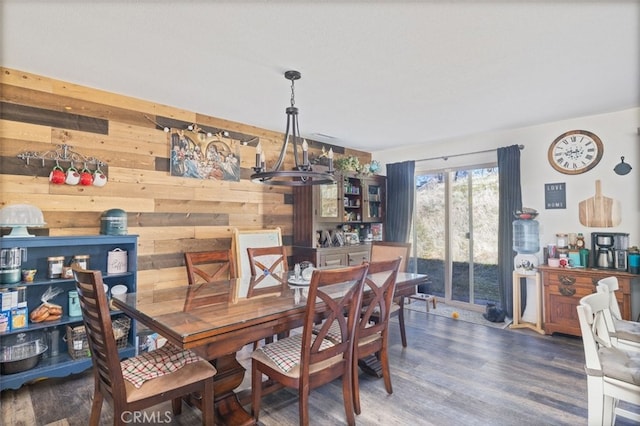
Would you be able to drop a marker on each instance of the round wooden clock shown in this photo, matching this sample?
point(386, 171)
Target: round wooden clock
point(575, 152)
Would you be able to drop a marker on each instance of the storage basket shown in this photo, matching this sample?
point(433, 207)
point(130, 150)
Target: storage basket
point(77, 337)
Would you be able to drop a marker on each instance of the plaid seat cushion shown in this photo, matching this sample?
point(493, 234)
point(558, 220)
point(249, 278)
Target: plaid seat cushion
point(285, 353)
point(151, 365)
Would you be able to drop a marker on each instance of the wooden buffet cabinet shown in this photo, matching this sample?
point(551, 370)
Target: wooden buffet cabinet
point(354, 202)
point(563, 288)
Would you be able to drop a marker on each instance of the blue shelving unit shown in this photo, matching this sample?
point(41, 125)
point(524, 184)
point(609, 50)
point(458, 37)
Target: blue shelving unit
point(38, 250)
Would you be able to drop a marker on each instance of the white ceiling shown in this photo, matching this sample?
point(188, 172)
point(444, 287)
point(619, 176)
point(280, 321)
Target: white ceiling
point(375, 74)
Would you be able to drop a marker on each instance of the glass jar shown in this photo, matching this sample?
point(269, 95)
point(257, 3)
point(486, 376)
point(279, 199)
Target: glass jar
point(55, 266)
point(82, 260)
point(562, 241)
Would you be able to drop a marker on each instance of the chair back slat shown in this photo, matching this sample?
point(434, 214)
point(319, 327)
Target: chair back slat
point(266, 263)
point(209, 266)
point(98, 327)
point(380, 285)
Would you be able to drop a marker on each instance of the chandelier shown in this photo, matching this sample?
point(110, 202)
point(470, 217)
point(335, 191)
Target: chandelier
point(302, 174)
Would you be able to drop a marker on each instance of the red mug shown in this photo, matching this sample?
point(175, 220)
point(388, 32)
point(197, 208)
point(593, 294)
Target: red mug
point(57, 176)
point(86, 178)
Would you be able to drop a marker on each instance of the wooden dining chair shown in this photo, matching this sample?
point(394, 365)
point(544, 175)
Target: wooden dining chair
point(310, 359)
point(386, 250)
point(612, 373)
point(267, 264)
point(209, 266)
point(140, 382)
point(372, 335)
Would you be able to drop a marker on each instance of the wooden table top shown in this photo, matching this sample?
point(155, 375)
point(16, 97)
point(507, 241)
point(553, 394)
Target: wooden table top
point(198, 315)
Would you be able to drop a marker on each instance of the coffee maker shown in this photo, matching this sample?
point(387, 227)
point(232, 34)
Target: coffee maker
point(609, 250)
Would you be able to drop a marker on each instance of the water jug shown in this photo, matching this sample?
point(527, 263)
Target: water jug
point(526, 236)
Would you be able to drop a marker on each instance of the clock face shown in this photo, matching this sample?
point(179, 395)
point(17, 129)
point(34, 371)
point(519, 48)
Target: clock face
point(575, 152)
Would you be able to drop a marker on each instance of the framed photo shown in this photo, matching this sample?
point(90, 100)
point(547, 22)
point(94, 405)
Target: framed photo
point(200, 156)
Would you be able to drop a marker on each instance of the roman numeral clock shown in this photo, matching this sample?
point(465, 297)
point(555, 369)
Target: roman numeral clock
point(575, 152)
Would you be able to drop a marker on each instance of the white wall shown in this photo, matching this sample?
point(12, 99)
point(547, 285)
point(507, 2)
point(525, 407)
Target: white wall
point(619, 134)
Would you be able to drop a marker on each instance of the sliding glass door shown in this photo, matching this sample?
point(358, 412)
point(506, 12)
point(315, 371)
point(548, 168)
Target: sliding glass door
point(456, 233)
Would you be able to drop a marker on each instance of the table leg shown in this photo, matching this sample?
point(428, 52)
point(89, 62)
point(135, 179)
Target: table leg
point(230, 375)
point(371, 366)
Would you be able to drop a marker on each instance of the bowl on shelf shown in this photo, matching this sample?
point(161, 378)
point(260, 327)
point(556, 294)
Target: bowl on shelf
point(21, 352)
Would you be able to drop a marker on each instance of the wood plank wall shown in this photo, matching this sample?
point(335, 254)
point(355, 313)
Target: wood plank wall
point(170, 214)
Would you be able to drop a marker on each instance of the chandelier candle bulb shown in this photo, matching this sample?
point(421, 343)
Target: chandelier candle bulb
point(305, 152)
point(258, 155)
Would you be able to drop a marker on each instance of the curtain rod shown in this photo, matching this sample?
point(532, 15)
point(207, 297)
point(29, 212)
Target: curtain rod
point(446, 157)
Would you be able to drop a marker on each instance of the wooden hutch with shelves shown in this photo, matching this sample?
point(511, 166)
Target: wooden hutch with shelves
point(348, 207)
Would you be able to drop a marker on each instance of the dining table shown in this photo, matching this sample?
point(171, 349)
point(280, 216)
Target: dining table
point(217, 319)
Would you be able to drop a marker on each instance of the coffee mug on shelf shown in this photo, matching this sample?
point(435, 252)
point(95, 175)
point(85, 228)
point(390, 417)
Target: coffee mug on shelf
point(99, 178)
point(72, 176)
point(86, 178)
point(57, 175)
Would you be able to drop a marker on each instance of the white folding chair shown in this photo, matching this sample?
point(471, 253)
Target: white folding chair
point(613, 374)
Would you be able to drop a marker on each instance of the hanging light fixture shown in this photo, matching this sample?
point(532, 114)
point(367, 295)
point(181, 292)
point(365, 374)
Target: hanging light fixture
point(303, 173)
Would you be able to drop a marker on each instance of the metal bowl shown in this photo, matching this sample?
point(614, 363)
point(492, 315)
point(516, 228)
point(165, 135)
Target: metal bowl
point(21, 356)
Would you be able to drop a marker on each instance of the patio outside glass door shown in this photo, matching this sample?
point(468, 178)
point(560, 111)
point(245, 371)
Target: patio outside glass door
point(456, 234)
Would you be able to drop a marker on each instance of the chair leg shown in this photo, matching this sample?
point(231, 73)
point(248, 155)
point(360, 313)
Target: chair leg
point(356, 386)
point(347, 395)
point(403, 333)
point(303, 405)
point(208, 408)
point(176, 406)
point(96, 408)
point(256, 390)
point(386, 372)
point(595, 401)
point(609, 411)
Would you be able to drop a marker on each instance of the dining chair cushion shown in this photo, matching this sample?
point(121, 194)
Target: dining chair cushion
point(285, 355)
point(620, 364)
point(335, 336)
point(627, 330)
point(191, 372)
point(154, 364)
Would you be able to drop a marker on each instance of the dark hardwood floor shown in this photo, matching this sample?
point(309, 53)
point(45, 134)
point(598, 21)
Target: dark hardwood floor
point(452, 373)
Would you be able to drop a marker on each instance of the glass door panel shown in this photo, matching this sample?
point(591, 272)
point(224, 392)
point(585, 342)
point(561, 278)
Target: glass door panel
point(328, 205)
point(456, 234)
point(429, 231)
point(460, 224)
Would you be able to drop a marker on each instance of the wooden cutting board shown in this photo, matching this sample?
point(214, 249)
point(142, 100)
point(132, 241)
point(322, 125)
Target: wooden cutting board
point(599, 211)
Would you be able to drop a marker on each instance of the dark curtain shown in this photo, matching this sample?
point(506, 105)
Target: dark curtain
point(510, 195)
point(400, 196)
